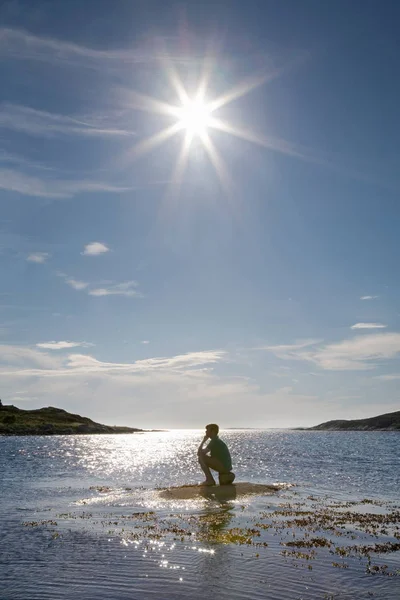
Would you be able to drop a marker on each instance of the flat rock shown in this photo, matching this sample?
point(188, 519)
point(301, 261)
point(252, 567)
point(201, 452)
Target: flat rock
point(219, 492)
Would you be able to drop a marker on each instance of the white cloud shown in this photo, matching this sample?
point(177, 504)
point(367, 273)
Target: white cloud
point(145, 342)
point(16, 181)
point(37, 363)
point(369, 297)
point(95, 248)
point(388, 377)
point(62, 345)
point(359, 353)
point(38, 257)
point(76, 284)
point(44, 124)
point(126, 288)
point(368, 326)
point(179, 363)
point(25, 356)
point(181, 390)
point(186, 390)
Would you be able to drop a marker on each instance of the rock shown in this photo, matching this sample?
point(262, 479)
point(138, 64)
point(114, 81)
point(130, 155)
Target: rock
point(218, 492)
point(226, 478)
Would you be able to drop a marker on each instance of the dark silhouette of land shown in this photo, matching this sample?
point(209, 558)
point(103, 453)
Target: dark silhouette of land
point(386, 422)
point(51, 421)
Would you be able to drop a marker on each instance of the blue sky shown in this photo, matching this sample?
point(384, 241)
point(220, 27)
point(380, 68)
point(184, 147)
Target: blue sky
point(254, 284)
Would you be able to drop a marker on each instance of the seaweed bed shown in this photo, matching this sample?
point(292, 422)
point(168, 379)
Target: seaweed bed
point(347, 534)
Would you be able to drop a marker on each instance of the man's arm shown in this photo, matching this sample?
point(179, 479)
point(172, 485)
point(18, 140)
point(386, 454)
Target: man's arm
point(200, 449)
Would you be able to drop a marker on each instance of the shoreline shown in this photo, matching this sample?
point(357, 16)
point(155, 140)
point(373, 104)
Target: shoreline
point(39, 433)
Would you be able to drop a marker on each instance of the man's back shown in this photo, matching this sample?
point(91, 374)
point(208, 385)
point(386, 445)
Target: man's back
point(220, 451)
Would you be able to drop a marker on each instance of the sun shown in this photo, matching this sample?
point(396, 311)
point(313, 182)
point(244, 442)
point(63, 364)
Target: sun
point(194, 117)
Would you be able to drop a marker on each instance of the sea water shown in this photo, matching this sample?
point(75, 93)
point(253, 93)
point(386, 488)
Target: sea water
point(64, 500)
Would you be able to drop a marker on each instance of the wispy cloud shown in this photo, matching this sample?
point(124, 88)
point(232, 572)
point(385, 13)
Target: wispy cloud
point(175, 363)
point(19, 44)
point(16, 181)
point(62, 345)
point(26, 357)
point(187, 382)
point(359, 353)
point(145, 342)
point(94, 249)
point(27, 307)
point(369, 297)
point(388, 377)
point(84, 363)
point(76, 283)
point(38, 257)
point(21, 161)
point(126, 288)
point(290, 351)
point(191, 383)
point(368, 326)
point(45, 124)
point(22, 45)
point(106, 288)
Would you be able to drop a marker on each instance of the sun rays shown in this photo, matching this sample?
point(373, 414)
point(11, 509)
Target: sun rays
point(193, 118)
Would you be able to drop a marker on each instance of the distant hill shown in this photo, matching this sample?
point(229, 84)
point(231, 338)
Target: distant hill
point(387, 422)
point(51, 421)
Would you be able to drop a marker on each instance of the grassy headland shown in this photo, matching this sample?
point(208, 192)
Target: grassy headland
point(386, 422)
point(51, 421)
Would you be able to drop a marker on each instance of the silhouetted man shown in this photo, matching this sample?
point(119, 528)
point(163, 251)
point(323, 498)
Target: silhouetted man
point(215, 456)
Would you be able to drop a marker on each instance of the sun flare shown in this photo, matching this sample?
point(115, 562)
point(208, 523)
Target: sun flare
point(194, 116)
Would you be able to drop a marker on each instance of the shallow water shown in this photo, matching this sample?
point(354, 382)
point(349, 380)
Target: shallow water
point(87, 489)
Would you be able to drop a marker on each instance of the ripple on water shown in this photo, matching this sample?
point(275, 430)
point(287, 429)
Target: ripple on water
point(94, 552)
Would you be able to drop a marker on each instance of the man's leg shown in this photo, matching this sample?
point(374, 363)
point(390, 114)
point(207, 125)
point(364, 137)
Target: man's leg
point(203, 460)
point(225, 476)
point(207, 463)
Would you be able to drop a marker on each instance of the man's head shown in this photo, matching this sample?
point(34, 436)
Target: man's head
point(212, 430)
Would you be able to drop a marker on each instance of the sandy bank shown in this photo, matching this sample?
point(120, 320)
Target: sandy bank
point(219, 492)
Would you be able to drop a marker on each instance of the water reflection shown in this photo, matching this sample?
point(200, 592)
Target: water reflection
point(213, 524)
point(223, 494)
